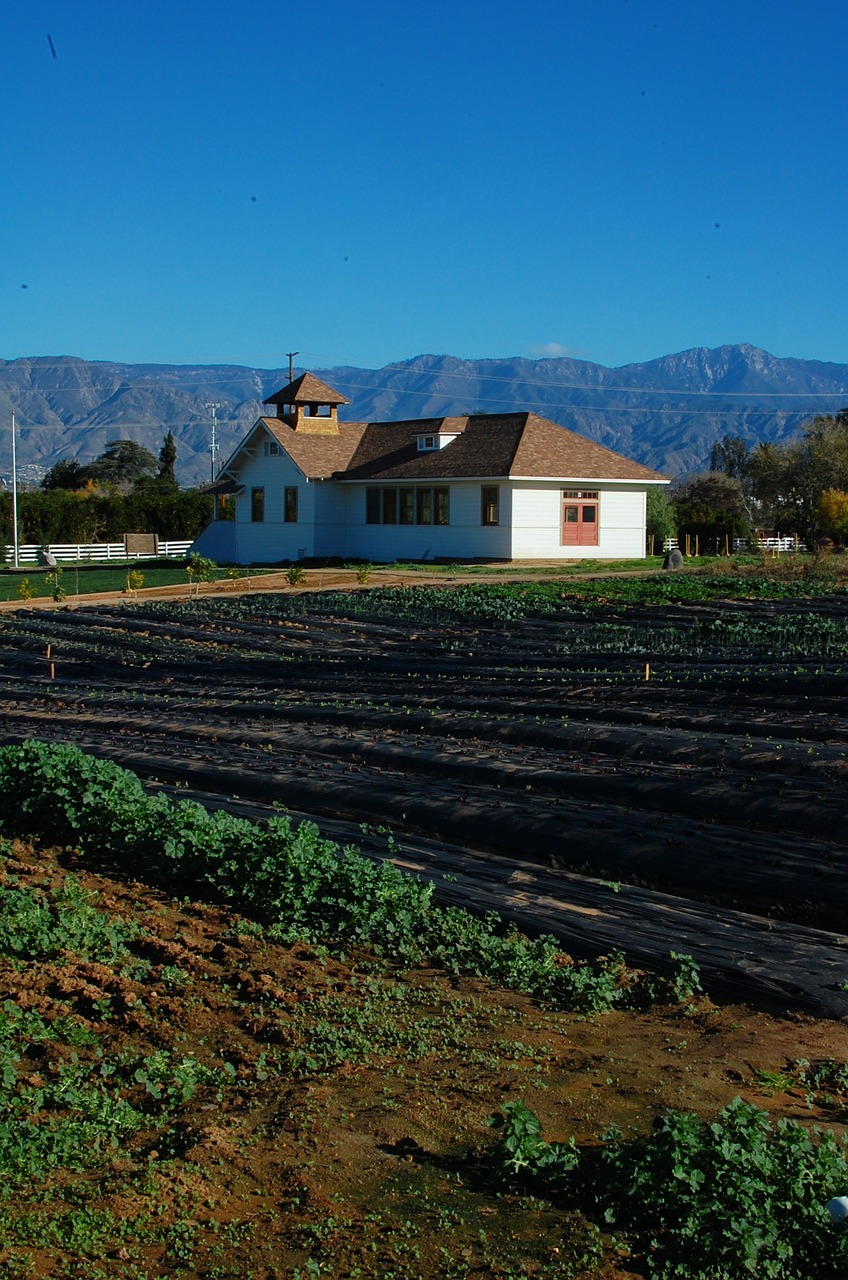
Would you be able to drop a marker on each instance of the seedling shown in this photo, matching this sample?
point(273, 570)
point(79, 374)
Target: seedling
point(54, 585)
point(199, 569)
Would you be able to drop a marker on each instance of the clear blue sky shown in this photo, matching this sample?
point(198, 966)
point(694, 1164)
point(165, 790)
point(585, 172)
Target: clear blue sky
point(367, 180)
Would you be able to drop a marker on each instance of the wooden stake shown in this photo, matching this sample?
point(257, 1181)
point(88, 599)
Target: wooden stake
point(647, 670)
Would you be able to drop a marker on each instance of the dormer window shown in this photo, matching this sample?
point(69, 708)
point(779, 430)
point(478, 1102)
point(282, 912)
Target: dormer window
point(437, 440)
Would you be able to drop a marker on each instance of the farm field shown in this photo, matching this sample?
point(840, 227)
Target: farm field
point(670, 776)
point(654, 766)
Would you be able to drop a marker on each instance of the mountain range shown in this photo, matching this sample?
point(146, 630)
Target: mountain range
point(665, 413)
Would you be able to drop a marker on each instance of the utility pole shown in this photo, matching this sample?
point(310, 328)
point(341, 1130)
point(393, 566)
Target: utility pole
point(213, 409)
point(14, 493)
point(291, 355)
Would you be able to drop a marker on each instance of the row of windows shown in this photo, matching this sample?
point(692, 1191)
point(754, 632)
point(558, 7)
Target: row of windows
point(430, 505)
point(424, 505)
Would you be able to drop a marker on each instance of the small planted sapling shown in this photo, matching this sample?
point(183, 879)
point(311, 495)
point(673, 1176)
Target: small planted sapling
point(54, 584)
point(200, 569)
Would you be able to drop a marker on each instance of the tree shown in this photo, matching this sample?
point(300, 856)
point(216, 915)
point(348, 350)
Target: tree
point(106, 515)
point(833, 514)
point(730, 455)
point(711, 506)
point(157, 505)
point(66, 474)
point(200, 569)
point(123, 463)
point(167, 459)
point(787, 481)
point(659, 516)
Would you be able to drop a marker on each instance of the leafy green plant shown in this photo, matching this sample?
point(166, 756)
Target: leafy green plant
point(295, 575)
point(522, 1150)
point(135, 580)
point(721, 1200)
point(199, 569)
point(26, 590)
point(53, 581)
point(34, 923)
point(363, 574)
point(284, 874)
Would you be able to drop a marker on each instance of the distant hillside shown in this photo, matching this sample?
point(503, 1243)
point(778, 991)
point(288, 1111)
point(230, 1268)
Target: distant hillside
point(665, 413)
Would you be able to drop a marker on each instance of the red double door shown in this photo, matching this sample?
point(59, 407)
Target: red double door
point(579, 520)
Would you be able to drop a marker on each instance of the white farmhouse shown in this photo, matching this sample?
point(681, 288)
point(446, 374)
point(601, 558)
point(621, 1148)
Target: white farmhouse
point(508, 486)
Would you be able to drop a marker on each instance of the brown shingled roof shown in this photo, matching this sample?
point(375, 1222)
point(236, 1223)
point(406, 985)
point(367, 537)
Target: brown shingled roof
point(317, 456)
point(548, 450)
point(496, 445)
point(307, 389)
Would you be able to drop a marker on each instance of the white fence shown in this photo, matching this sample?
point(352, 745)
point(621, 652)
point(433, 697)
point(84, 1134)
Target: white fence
point(84, 552)
point(787, 543)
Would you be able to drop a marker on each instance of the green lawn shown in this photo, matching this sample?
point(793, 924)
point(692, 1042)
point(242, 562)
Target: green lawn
point(80, 580)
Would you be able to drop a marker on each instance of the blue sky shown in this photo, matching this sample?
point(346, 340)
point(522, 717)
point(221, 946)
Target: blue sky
point(367, 181)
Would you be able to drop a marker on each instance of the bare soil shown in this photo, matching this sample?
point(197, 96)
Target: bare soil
point(353, 1139)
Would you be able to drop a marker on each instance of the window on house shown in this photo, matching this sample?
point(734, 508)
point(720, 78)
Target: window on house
point(272, 449)
point(406, 506)
point(423, 506)
point(257, 505)
point(441, 506)
point(390, 506)
point(290, 505)
point(490, 513)
point(372, 506)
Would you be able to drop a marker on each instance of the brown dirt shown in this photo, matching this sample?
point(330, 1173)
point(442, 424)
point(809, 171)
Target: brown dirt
point(376, 1165)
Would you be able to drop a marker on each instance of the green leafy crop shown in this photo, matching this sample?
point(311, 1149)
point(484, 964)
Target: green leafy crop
point(289, 877)
point(726, 1200)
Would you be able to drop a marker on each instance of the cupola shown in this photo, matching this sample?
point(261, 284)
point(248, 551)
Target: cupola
point(308, 405)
